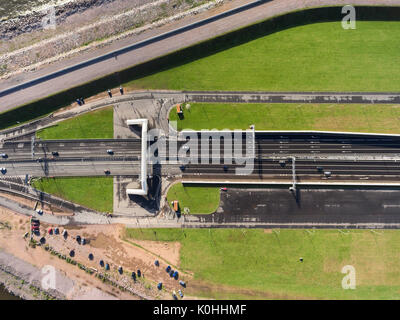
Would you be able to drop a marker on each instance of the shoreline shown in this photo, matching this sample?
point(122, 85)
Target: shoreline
point(22, 279)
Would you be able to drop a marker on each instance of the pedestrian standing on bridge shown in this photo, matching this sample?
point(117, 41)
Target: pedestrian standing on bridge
point(109, 93)
point(121, 90)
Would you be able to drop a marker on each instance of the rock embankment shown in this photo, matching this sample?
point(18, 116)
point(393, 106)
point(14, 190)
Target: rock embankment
point(82, 26)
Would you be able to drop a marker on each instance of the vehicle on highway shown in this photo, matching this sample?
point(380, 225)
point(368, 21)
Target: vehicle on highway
point(320, 169)
point(185, 147)
point(107, 171)
point(110, 151)
point(174, 295)
point(327, 173)
point(4, 155)
point(55, 153)
point(180, 293)
point(282, 163)
point(182, 167)
point(39, 211)
point(3, 170)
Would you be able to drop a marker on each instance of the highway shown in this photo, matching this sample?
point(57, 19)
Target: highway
point(273, 152)
point(74, 158)
point(287, 144)
point(94, 148)
point(305, 169)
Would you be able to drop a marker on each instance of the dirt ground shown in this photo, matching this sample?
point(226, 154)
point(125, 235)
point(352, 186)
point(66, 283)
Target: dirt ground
point(105, 243)
point(31, 203)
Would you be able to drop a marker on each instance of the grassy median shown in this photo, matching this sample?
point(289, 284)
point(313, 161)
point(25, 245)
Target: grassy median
point(327, 117)
point(92, 125)
point(92, 192)
point(199, 200)
point(264, 264)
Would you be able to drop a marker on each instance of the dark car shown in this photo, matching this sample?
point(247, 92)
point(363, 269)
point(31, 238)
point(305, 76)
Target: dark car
point(78, 239)
point(107, 171)
point(168, 269)
point(55, 153)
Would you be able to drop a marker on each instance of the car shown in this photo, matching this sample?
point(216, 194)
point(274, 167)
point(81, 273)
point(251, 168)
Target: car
point(107, 171)
point(175, 275)
point(174, 295)
point(78, 239)
point(4, 155)
point(3, 170)
point(110, 151)
point(182, 283)
point(320, 169)
point(185, 147)
point(168, 269)
point(39, 211)
point(83, 241)
point(55, 153)
point(282, 163)
point(180, 293)
point(225, 168)
point(327, 173)
point(182, 167)
point(159, 286)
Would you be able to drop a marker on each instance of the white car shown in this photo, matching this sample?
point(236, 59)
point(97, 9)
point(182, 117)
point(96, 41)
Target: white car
point(185, 147)
point(3, 155)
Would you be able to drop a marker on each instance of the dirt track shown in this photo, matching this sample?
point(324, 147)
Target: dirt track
point(152, 50)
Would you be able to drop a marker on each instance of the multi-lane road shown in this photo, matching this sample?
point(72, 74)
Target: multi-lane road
point(351, 157)
point(71, 157)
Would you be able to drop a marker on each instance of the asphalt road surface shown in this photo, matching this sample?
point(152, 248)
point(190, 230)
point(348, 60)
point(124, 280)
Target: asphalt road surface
point(286, 143)
point(73, 167)
point(312, 208)
point(94, 148)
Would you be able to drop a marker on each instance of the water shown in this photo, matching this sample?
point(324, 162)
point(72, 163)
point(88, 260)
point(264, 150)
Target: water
point(5, 295)
point(11, 8)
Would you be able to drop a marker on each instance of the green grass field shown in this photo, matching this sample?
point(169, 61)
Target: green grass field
point(327, 117)
point(200, 200)
point(92, 192)
point(93, 125)
point(264, 264)
point(314, 57)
